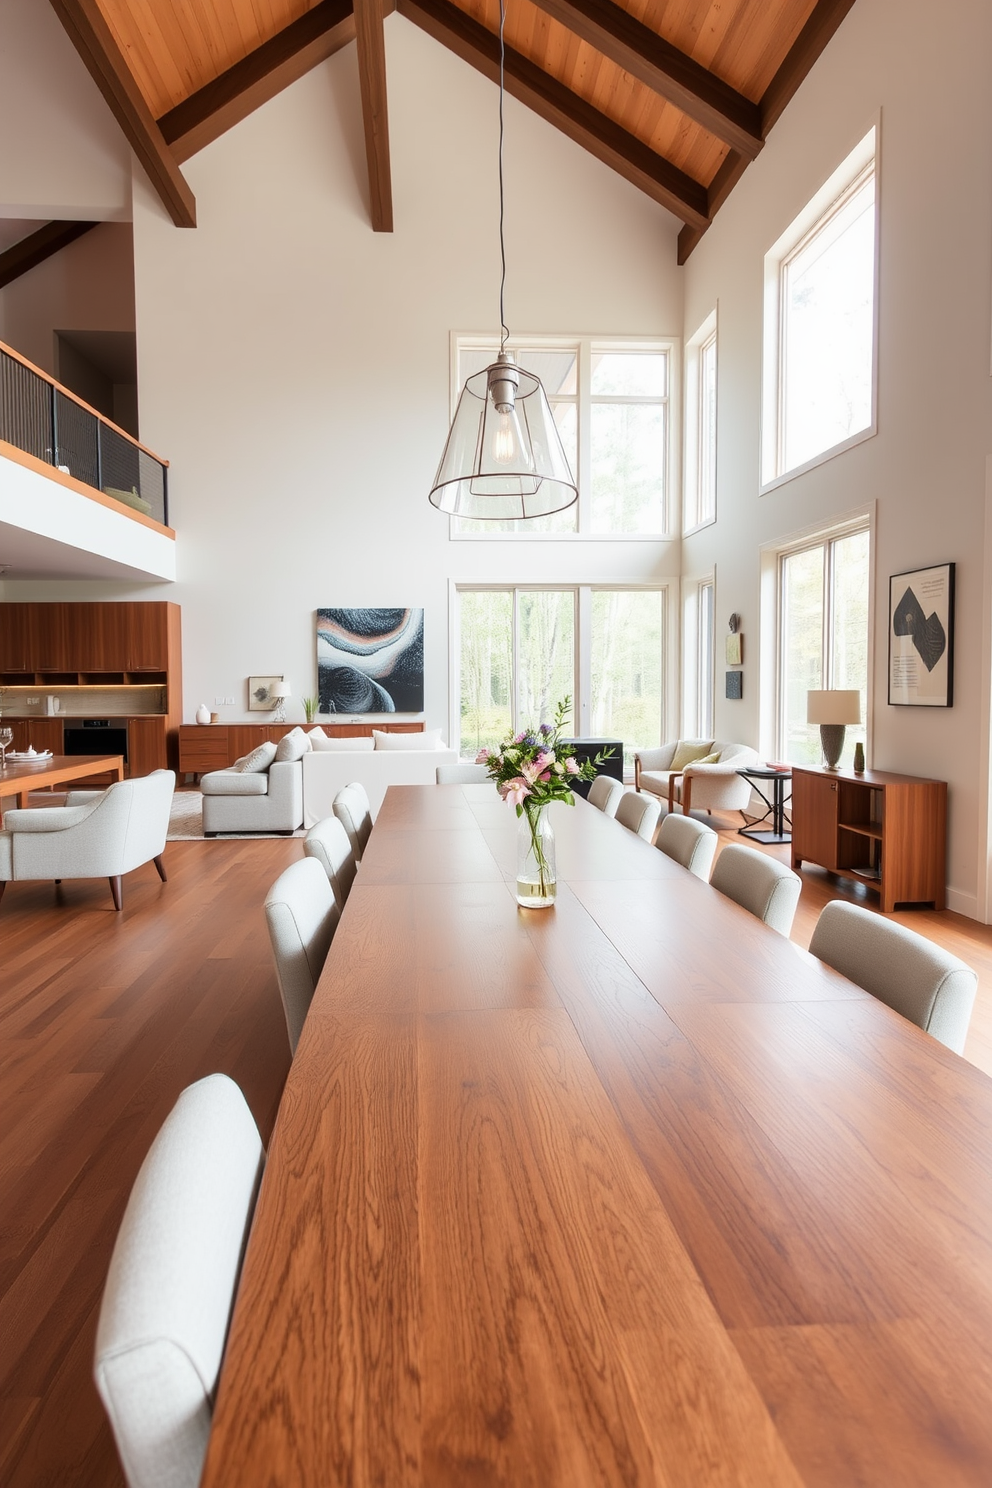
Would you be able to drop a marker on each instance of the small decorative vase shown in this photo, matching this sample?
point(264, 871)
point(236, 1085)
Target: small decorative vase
point(203, 714)
point(859, 758)
point(536, 870)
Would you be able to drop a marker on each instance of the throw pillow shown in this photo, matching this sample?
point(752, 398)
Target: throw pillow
point(324, 745)
point(258, 761)
point(430, 739)
point(292, 746)
point(687, 752)
point(709, 759)
point(315, 733)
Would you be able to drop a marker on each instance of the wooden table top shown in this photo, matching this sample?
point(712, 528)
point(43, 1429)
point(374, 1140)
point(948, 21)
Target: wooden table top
point(630, 1191)
point(20, 777)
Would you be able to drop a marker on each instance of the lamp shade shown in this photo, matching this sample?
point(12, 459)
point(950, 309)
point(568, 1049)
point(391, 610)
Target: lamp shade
point(504, 457)
point(281, 690)
point(833, 706)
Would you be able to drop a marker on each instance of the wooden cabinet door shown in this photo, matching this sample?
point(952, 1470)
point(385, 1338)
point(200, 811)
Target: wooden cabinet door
point(146, 746)
point(147, 637)
point(15, 644)
point(97, 637)
point(203, 747)
point(43, 733)
point(50, 640)
point(814, 819)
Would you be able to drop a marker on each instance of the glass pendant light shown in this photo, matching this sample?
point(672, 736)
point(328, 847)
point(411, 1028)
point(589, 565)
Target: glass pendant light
point(504, 456)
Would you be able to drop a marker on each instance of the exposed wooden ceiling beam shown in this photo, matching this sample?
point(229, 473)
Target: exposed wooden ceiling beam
point(653, 61)
point(372, 80)
point(226, 100)
point(811, 41)
point(94, 41)
point(37, 246)
point(626, 154)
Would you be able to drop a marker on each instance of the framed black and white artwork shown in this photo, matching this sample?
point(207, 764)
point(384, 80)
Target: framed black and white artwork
point(370, 661)
point(921, 637)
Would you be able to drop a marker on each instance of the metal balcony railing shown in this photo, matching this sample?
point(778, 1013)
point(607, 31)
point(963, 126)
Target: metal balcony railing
point(51, 423)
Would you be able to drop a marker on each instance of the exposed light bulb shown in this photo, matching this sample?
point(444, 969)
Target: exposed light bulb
point(505, 441)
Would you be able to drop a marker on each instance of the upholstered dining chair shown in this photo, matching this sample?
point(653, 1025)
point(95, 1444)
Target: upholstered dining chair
point(760, 884)
point(920, 980)
point(461, 774)
point(171, 1284)
point(302, 916)
point(638, 813)
point(352, 809)
point(688, 842)
point(605, 793)
point(328, 843)
point(97, 834)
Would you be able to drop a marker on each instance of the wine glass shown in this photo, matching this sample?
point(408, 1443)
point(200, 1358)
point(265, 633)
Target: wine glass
point(6, 739)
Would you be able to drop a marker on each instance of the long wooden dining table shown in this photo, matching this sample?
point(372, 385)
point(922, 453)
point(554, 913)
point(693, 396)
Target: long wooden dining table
point(628, 1191)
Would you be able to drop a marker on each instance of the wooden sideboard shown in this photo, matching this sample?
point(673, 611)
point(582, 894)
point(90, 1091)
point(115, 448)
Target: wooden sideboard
point(214, 746)
point(886, 831)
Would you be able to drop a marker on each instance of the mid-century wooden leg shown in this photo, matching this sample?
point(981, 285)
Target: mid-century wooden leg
point(161, 869)
point(3, 885)
point(115, 889)
point(58, 880)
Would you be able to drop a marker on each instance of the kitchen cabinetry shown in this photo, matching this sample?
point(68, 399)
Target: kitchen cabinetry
point(42, 733)
point(146, 746)
point(887, 831)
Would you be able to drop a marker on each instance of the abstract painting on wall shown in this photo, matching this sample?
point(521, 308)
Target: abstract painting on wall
point(921, 637)
point(370, 661)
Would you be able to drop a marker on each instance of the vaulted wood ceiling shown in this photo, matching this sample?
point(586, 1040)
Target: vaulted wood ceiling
point(676, 95)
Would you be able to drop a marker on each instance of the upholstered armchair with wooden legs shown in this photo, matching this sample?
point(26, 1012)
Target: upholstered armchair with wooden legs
point(107, 834)
point(709, 782)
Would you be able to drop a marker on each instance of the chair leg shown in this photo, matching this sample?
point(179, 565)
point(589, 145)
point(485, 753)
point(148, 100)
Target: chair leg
point(3, 885)
point(161, 869)
point(58, 880)
point(115, 889)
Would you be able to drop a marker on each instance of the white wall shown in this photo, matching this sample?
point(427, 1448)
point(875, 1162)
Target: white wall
point(293, 365)
point(925, 468)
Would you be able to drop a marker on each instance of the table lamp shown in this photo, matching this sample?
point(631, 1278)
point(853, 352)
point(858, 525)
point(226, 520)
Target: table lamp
point(282, 690)
point(833, 710)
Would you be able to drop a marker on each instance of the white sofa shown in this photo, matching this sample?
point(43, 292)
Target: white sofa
point(262, 801)
point(324, 774)
point(697, 787)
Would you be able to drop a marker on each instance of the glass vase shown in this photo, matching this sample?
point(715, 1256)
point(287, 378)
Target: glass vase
point(536, 871)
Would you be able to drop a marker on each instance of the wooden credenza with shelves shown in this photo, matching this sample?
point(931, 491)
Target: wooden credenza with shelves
point(214, 746)
point(887, 831)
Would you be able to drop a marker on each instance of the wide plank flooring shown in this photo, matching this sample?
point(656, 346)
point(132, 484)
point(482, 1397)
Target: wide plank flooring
point(104, 1018)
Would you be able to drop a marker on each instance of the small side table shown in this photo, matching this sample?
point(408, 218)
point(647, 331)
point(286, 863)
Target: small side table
point(776, 806)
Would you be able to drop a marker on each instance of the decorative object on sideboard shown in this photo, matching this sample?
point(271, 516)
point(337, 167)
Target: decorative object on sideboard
point(859, 758)
point(370, 661)
point(261, 698)
point(281, 691)
point(310, 708)
point(921, 637)
point(215, 718)
point(203, 714)
point(504, 456)
point(833, 709)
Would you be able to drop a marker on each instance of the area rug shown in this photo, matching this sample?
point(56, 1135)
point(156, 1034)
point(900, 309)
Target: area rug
point(186, 822)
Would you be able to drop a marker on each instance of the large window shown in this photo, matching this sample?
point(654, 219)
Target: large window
point(819, 350)
point(520, 652)
point(611, 402)
point(697, 658)
point(699, 462)
point(823, 636)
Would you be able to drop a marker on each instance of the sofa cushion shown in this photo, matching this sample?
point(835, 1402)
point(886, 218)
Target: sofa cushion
point(323, 745)
point(429, 739)
point(257, 762)
point(292, 746)
point(709, 759)
point(234, 783)
point(688, 751)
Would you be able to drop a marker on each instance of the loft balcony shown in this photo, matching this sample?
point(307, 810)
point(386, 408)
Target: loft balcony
point(79, 497)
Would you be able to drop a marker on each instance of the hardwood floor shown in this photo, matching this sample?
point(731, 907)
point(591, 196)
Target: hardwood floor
point(104, 1018)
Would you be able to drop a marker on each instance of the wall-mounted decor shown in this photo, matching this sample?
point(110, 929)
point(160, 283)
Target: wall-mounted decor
point(260, 695)
point(921, 637)
point(370, 661)
point(734, 646)
point(735, 685)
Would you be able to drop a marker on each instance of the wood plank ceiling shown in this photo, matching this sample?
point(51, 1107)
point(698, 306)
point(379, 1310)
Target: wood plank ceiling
point(676, 95)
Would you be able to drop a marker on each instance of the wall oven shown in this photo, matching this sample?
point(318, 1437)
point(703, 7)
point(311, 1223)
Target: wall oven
point(95, 736)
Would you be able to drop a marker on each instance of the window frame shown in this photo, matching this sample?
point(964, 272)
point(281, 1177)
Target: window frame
point(699, 509)
point(862, 163)
point(698, 664)
point(585, 346)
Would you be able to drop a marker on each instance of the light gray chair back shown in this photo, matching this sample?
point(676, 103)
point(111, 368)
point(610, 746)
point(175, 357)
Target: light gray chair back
point(172, 1279)
point(328, 843)
point(461, 774)
point(688, 842)
point(760, 884)
point(352, 808)
point(639, 813)
point(920, 980)
point(605, 793)
point(302, 917)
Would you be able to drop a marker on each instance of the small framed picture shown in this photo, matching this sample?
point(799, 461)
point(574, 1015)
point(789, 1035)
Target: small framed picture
point(260, 699)
point(735, 684)
point(734, 648)
point(921, 637)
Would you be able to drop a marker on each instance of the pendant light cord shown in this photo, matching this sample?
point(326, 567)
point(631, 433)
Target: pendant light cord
point(504, 329)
